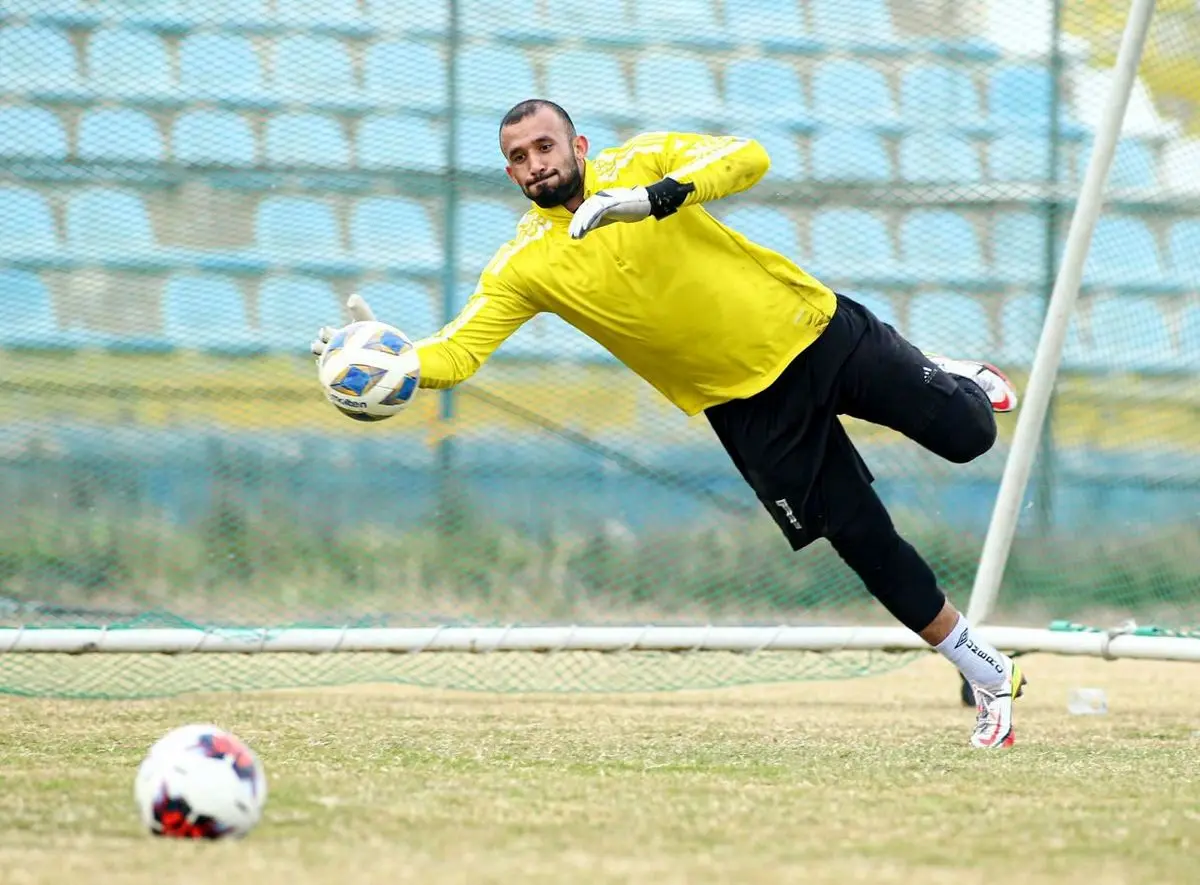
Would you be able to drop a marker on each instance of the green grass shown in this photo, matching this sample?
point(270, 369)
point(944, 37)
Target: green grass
point(860, 781)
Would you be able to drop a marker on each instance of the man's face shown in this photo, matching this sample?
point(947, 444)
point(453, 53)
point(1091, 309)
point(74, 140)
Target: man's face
point(542, 161)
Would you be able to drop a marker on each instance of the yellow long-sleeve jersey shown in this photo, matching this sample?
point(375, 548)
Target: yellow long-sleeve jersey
point(692, 306)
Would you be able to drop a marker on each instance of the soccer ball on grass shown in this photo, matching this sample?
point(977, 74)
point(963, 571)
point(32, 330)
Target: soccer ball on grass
point(200, 782)
point(369, 370)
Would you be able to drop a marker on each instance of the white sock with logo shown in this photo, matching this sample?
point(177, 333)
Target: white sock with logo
point(976, 658)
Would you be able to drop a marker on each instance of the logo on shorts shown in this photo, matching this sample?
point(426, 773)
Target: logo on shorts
point(783, 505)
point(929, 372)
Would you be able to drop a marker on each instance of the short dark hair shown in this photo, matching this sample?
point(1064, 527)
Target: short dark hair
point(531, 106)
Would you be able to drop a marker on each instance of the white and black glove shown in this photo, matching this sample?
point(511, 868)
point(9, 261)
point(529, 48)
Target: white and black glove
point(629, 204)
point(360, 312)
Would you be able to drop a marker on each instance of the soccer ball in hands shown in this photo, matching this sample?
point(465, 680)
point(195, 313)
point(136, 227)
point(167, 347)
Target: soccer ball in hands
point(369, 370)
point(200, 782)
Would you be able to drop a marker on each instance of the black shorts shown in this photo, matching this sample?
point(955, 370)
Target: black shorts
point(788, 442)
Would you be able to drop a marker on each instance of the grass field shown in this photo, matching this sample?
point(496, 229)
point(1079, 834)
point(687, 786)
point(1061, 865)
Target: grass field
point(866, 780)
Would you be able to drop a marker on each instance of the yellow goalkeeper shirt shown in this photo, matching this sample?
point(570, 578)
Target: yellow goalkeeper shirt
point(695, 308)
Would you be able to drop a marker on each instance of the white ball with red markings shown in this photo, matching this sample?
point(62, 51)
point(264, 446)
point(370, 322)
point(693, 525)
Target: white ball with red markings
point(200, 782)
point(369, 371)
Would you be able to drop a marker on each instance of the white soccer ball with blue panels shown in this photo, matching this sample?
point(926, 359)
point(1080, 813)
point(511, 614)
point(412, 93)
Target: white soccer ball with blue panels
point(369, 371)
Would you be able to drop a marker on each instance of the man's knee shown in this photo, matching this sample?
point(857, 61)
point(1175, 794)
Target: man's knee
point(967, 425)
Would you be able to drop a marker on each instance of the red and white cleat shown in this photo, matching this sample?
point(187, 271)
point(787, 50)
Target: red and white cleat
point(994, 722)
point(991, 380)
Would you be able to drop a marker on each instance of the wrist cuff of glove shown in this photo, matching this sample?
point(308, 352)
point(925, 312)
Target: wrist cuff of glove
point(667, 195)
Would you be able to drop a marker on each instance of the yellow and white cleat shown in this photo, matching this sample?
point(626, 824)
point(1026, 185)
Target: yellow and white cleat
point(994, 720)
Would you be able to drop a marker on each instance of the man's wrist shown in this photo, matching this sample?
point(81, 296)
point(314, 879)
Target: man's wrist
point(667, 195)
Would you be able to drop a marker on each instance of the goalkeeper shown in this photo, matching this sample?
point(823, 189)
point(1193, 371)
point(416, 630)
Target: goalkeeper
point(622, 248)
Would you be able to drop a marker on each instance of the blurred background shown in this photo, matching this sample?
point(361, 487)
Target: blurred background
point(189, 188)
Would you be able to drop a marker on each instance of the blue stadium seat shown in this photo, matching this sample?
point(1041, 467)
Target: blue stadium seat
point(31, 133)
point(940, 96)
point(207, 313)
point(400, 142)
point(766, 91)
point(1021, 319)
point(689, 23)
point(238, 16)
point(491, 79)
point(410, 19)
point(853, 244)
point(213, 138)
point(1129, 333)
point(947, 322)
point(776, 25)
point(1019, 248)
point(289, 308)
point(478, 147)
point(940, 246)
point(599, 22)
point(119, 135)
point(111, 228)
point(1183, 247)
point(516, 21)
point(1189, 339)
point(27, 237)
point(931, 157)
point(766, 226)
point(787, 163)
point(302, 139)
point(405, 74)
point(56, 13)
point(338, 17)
point(1019, 96)
point(130, 66)
point(847, 92)
point(315, 71)
point(221, 68)
point(548, 337)
point(1123, 255)
point(482, 228)
point(163, 16)
point(849, 155)
point(301, 233)
point(599, 134)
point(410, 306)
point(39, 63)
point(1133, 164)
point(27, 315)
point(879, 303)
point(589, 82)
point(1020, 157)
point(675, 91)
point(863, 26)
point(394, 233)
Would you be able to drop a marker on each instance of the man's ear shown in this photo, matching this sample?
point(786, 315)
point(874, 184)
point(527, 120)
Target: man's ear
point(581, 147)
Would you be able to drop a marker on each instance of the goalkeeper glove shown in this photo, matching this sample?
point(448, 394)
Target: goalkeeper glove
point(360, 312)
point(629, 204)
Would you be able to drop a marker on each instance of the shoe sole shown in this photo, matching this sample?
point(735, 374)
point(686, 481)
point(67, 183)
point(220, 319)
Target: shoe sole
point(1012, 397)
point(1009, 739)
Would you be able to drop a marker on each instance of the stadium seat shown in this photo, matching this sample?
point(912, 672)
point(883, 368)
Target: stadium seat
point(26, 313)
point(847, 92)
point(940, 96)
point(776, 25)
point(1133, 165)
point(688, 23)
point(55, 13)
point(478, 147)
point(766, 91)
point(677, 91)
point(1129, 333)
point(213, 138)
point(119, 135)
point(27, 237)
point(338, 17)
point(1181, 166)
point(1019, 248)
point(879, 303)
point(1123, 255)
point(940, 246)
point(491, 79)
point(787, 163)
point(235, 16)
point(315, 71)
point(130, 66)
point(1019, 97)
point(589, 82)
point(950, 323)
point(1183, 247)
point(482, 228)
point(863, 26)
point(548, 337)
point(766, 226)
point(400, 142)
point(421, 20)
point(849, 155)
point(406, 75)
point(221, 68)
point(600, 22)
point(207, 313)
point(31, 133)
point(599, 134)
point(939, 158)
point(111, 228)
point(515, 21)
point(1020, 157)
point(1021, 318)
point(301, 139)
point(290, 308)
point(416, 310)
point(394, 233)
point(301, 234)
point(39, 64)
point(1189, 339)
point(853, 244)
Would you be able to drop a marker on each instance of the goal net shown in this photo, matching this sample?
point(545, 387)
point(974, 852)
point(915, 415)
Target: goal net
point(188, 192)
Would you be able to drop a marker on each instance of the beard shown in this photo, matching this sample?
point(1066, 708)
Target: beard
point(570, 184)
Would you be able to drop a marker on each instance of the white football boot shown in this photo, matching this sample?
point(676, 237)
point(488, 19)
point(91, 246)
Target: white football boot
point(994, 719)
point(991, 380)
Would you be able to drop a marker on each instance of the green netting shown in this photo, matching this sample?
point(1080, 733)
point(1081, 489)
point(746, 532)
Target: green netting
point(188, 191)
